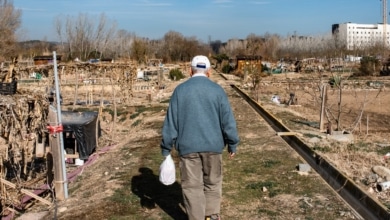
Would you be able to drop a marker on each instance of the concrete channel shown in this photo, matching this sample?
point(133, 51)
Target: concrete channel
point(364, 205)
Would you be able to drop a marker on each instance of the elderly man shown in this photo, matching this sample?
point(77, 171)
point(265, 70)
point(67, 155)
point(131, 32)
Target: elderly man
point(199, 123)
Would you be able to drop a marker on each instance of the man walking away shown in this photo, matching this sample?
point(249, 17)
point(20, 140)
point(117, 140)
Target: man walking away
point(199, 123)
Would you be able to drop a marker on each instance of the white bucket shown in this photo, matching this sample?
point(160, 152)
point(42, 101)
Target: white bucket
point(79, 162)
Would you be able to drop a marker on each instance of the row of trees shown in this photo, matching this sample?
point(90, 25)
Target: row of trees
point(85, 37)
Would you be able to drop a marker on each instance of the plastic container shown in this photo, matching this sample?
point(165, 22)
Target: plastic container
point(8, 88)
point(79, 162)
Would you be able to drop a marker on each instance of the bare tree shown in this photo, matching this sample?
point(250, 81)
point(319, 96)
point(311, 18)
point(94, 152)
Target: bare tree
point(254, 44)
point(234, 47)
point(253, 69)
point(215, 45)
point(9, 23)
point(121, 44)
point(337, 82)
point(173, 42)
point(104, 34)
point(175, 47)
point(271, 46)
point(85, 37)
point(139, 50)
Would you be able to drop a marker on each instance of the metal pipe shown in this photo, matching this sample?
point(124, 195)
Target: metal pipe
point(383, 186)
point(58, 101)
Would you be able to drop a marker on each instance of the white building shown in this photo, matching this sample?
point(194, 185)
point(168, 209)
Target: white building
point(361, 35)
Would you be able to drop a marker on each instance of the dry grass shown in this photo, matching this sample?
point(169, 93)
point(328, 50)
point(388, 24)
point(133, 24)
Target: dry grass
point(260, 183)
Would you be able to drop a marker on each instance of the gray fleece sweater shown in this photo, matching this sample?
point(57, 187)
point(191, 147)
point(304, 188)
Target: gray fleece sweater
point(199, 119)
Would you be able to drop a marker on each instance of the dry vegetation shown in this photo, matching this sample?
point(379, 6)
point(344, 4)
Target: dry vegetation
point(123, 175)
point(364, 115)
point(130, 142)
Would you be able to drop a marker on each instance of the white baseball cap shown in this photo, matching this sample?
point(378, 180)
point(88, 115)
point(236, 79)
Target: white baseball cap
point(200, 61)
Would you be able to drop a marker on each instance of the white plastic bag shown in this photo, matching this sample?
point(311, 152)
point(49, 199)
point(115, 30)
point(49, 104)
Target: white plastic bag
point(167, 171)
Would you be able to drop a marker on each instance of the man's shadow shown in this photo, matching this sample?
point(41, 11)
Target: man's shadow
point(152, 192)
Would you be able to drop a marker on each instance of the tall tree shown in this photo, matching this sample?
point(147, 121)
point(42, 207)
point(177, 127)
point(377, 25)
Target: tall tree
point(254, 44)
point(174, 42)
point(139, 50)
point(234, 47)
point(271, 46)
point(9, 23)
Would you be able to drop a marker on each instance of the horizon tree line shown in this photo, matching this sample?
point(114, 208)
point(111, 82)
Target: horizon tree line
point(84, 37)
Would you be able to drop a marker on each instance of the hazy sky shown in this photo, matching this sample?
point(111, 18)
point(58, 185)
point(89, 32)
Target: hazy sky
point(204, 19)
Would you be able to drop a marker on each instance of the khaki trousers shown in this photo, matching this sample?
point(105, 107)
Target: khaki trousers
point(201, 181)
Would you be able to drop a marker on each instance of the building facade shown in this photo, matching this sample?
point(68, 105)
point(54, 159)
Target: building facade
point(356, 36)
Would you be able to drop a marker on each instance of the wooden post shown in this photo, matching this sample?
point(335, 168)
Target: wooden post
point(324, 93)
point(76, 88)
point(55, 149)
point(113, 127)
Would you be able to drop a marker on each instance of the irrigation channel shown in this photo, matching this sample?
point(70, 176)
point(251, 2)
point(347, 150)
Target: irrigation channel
point(364, 206)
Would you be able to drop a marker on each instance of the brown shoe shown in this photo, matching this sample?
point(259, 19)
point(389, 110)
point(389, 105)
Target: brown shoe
point(213, 217)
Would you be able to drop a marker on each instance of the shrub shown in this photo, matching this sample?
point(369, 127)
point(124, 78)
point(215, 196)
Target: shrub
point(227, 68)
point(176, 74)
point(369, 66)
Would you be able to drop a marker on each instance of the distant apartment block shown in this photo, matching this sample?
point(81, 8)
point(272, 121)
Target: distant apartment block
point(356, 36)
